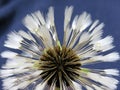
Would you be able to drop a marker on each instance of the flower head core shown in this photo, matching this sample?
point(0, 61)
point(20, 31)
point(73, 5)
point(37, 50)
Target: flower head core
point(59, 64)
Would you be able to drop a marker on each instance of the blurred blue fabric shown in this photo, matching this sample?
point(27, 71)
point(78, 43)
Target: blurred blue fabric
point(108, 11)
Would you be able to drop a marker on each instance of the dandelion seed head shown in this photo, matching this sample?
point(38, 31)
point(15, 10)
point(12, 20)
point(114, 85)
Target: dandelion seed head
point(39, 60)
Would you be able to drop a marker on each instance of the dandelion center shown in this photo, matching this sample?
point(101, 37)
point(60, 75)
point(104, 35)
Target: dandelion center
point(59, 65)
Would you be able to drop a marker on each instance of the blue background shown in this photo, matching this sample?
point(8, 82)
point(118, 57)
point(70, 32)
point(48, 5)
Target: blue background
point(108, 11)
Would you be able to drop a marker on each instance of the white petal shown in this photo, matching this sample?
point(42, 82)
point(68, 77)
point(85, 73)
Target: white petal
point(97, 88)
point(13, 41)
point(20, 86)
point(40, 17)
point(6, 73)
point(84, 37)
point(8, 54)
point(88, 88)
point(114, 72)
point(12, 63)
point(104, 44)
point(30, 23)
point(25, 35)
point(77, 86)
point(10, 72)
point(67, 35)
point(47, 39)
point(68, 14)
point(34, 48)
point(17, 62)
point(36, 73)
point(12, 44)
point(96, 34)
point(112, 57)
point(15, 36)
point(74, 22)
point(8, 82)
point(23, 85)
point(97, 29)
point(84, 21)
point(94, 25)
point(50, 17)
point(107, 81)
point(40, 86)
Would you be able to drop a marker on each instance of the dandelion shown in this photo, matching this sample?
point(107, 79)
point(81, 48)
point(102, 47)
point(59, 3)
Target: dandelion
point(37, 59)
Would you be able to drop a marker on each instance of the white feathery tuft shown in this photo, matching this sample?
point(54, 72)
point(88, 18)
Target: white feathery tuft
point(94, 25)
point(40, 17)
point(18, 62)
point(74, 22)
point(112, 57)
point(9, 72)
point(11, 63)
point(96, 33)
point(114, 72)
point(77, 86)
point(88, 88)
point(50, 18)
point(68, 14)
point(97, 87)
point(6, 73)
point(31, 24)
point(83, 37)
point(15, 37)
point(25, 35)
point(84, 20)
point(13, 41)
point(40, 86)
point(107, 81)
point(9, 83)
point(12, 44)
point(47, 39)
point(20, 85)
point(103, 44)
point(8, 54)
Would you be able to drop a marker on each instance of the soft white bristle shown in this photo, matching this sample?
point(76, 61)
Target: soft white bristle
point(14, 40)
point(94, 25)
point(103, 44)
point(40, 17)
point(6, 73)
point(9, 82)
point(24, 34)
point(40, 86)
point(68, 14)
point(107, 81)
point(77, 86)
point(97, 88)
point(114, 72)
point(88, 88)
point(74, 22)
point(84, 21)
point(50, 17)
point(112, 57)
point(31, 24)
point(8, 54)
